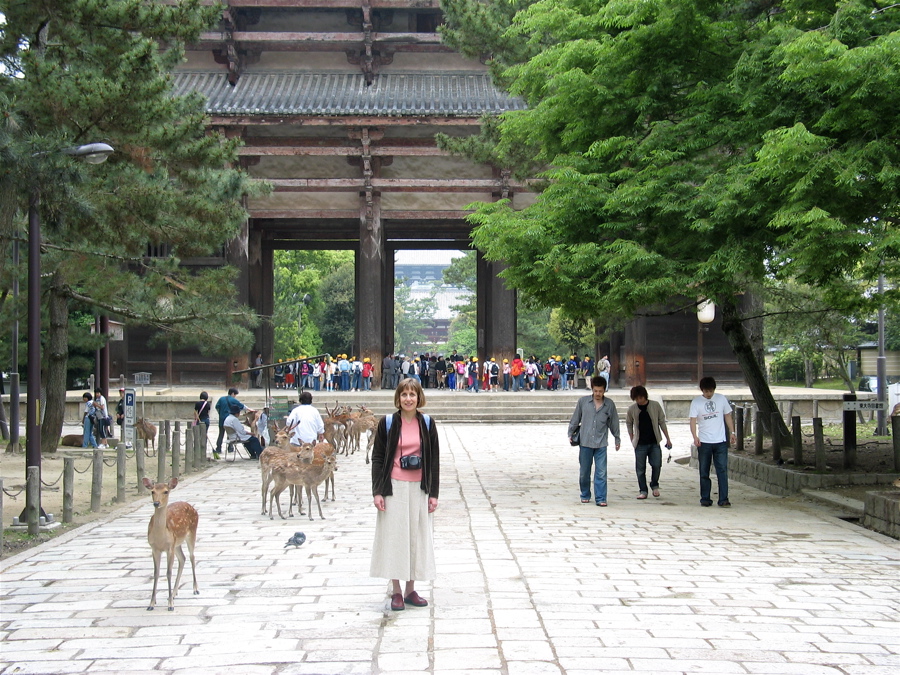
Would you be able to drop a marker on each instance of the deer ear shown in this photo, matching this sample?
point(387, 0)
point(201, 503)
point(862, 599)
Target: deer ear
point(148, 483)
point(173, 482)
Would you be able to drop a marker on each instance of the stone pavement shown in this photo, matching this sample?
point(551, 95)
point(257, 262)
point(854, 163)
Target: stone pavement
point(530, 581)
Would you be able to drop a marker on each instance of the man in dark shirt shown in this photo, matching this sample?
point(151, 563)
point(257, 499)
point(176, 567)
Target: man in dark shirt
point(646, 424)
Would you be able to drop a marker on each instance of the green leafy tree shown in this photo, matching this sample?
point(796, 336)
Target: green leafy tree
point(338, 323)
point(573, 336)
point(461, 273)
point(696, 149)
point(798, 317)
point(298, 299)
point(80, 71)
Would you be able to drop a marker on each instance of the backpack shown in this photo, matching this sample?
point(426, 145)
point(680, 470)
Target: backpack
point(494, 369)
point(388, 420)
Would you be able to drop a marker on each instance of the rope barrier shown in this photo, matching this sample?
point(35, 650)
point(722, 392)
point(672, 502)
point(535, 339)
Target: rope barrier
point(90, 464)
point(43, 482)
point(13, 495)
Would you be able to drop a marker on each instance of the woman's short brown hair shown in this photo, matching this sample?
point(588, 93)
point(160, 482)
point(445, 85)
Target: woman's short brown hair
point(415, 385)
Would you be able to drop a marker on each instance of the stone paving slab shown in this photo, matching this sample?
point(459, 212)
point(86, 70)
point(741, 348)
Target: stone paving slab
point(530, 581)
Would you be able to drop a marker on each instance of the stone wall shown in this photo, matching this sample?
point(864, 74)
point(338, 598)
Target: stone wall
point(882, 513)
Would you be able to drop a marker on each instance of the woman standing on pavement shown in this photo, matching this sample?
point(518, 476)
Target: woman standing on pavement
point(405, 485)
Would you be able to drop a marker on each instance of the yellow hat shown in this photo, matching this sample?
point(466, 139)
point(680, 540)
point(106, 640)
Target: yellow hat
point(474, 358)
point(505, 360)
point(493, 359)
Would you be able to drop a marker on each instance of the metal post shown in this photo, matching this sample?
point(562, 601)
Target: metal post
point(849, 434)
point(68, 489)
point(33, 395)
point(120, 472)
point(881, 366)
point(819, 437)
point(97, 479)
point(797, 433)
point(895, 431)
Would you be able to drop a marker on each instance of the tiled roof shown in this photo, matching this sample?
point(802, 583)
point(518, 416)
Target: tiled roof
point(336, 94)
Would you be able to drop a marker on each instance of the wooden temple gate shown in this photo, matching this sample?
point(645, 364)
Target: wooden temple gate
point(337, 103)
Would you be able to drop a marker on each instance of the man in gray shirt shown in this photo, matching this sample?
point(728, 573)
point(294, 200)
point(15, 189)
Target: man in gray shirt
point(594, 417)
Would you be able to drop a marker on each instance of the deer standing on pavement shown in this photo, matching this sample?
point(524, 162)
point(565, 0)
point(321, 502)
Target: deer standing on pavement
point(301, 474)
point(170, 526)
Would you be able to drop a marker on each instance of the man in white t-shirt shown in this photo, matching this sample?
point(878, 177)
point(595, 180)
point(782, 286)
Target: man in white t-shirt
point(712, 427)
point(307, 422)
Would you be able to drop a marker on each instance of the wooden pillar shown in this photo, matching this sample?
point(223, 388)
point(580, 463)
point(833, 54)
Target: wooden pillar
point(496, 312)
point(387, 308)
point(635, 352)
point(371, 283)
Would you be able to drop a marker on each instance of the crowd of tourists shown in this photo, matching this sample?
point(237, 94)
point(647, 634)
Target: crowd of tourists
point(453, 372)
point(458, 372)
point(339, 373)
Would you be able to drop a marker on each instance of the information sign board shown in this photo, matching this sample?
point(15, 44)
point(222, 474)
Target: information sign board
point(130, 415)
point(865, 405)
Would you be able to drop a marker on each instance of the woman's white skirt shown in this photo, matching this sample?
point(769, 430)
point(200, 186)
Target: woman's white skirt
point(404, 543)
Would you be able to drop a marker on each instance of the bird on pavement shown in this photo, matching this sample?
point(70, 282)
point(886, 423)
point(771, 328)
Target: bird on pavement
point(296, 540)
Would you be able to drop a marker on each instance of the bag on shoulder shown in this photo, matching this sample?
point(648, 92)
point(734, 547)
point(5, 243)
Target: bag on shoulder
point(576, 437)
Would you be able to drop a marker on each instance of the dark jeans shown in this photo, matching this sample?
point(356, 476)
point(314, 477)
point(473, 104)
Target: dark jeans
point(643, 453)
point(253, 447)
point(221, 435)
point(597, 457)
point(713, 454)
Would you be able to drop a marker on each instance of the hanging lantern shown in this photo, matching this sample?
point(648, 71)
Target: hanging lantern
point(706, 311)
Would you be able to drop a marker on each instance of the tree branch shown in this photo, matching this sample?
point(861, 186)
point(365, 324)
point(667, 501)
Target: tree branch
point(137, 316)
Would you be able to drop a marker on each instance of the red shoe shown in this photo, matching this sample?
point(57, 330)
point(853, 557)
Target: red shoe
point(416, 600)
point(397, 602)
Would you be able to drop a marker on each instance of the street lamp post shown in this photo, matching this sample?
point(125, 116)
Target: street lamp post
point(93, 153)
point(706, 314)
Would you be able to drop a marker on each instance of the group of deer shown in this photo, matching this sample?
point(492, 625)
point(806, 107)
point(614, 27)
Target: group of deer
point(345, 427)
point(303, 467)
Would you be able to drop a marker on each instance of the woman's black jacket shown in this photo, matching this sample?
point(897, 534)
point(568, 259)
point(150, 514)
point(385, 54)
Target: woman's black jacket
point(386, 447)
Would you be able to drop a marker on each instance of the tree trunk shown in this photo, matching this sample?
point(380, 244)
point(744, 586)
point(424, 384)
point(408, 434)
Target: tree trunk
point(753, 371)
point(56, 358)
point(808, 378)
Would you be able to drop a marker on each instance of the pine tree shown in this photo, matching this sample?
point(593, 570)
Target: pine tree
point(84, 71)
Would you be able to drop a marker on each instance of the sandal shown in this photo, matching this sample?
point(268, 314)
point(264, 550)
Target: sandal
point(585, 501)
point(643, 495)
point(601, 503)
point(655, 492)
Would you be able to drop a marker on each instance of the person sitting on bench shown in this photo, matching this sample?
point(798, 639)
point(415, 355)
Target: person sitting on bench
point(236, 432)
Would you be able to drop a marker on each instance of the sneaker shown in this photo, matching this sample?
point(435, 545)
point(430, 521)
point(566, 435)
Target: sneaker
point(705, 503)
point(726, 504)
point(216, 455)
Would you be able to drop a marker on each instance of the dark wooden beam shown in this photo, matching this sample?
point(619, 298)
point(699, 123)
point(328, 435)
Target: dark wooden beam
point(344, 121)
point(386, 184)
